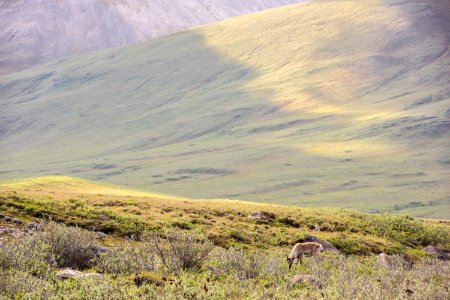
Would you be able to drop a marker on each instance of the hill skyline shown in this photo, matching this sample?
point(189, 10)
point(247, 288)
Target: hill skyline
point(33, 32)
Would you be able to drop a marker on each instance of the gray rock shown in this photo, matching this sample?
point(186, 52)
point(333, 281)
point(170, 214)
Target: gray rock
point(101, 235)
point(35, 226)
point(8, 219)
point(73, 274)
point(261, 215)
point(256, 215)
point(2, 216)
point(104, 218)
point(67, 274)
point(100, 249)
point(327, 246)
point(436, 252)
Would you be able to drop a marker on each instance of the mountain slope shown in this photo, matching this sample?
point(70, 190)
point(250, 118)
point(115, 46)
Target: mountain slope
point(328, 103)
point(32, 31)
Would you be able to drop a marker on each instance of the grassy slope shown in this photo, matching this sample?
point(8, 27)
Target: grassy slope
point(330, 103)
point(127, 212)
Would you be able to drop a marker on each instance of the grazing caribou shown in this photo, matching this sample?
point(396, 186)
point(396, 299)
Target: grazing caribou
point(311, 248)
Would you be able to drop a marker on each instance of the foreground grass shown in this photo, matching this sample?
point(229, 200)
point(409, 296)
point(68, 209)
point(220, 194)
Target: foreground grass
point(138, 270)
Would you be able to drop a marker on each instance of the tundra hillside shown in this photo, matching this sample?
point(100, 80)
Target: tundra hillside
point(227, 223)
point(323, 103)
point(123, 244)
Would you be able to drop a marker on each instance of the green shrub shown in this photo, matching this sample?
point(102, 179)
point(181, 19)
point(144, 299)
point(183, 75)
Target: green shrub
point(98, 288)
point(238, 236)
point(289, 222)
point(181, 225)
point(351, 245)
point(27, 254)
point(182, 250)
point(219, 240)
point(72, 247)
point(300, 237)
point(16, 284)
point(246, 266)
point(406, 230)
point(127, 259)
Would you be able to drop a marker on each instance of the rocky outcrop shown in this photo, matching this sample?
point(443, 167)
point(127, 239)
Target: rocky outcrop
point(101, 235)
point(261, 215)
point(35, 226)
point(73, 274)
point(97, 250)
point(436, 252)
point(327, 246)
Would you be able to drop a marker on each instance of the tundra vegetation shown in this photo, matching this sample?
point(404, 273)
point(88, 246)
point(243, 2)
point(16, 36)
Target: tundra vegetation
point(167, 248)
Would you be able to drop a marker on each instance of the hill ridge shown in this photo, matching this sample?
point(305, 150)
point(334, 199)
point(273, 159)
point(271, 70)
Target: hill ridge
point(35, 32)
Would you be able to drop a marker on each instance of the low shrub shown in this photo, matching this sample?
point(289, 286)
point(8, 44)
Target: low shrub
point(351, 245)
point(406, 230)
point(27, 254)
point(219, 240)
point(289, 222)
point(181, 225)
point(15, 284)
point(182, 250)
point(238, 236)
point(72, 247)
point(127, 259)
point(246, 266)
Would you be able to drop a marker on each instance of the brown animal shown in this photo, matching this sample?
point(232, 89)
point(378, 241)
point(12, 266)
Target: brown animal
point(311, 248)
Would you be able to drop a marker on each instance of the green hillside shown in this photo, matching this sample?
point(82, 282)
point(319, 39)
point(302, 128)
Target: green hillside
point(126, 212)
point(328, 103)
